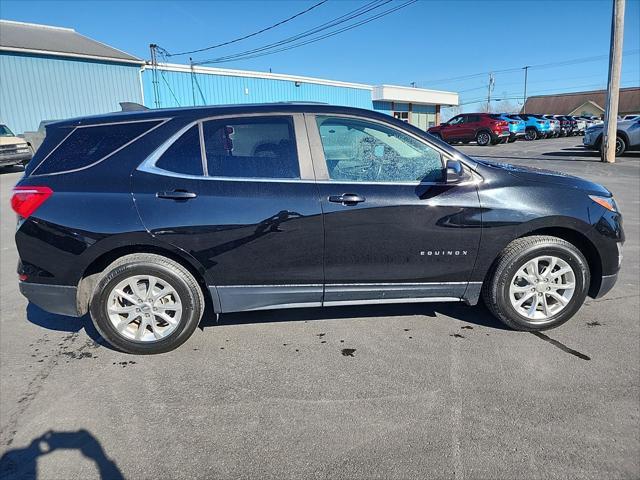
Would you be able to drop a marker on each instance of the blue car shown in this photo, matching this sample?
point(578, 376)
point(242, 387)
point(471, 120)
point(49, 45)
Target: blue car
point(536, 126)
point(517, 128)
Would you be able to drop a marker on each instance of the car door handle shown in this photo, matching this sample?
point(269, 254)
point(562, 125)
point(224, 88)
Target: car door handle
point(177, 195)
point(346, 199)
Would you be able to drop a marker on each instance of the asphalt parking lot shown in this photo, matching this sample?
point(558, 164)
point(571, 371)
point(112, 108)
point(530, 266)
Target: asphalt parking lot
point(409, 391)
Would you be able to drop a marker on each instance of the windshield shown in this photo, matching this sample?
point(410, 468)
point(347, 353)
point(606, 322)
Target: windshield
point(5, 132)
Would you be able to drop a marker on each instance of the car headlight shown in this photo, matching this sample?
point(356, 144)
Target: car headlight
point(607, 202)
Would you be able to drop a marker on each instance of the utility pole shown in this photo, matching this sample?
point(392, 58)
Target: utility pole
point(492, 82)
point(193, 85)
point(608, 148)
point(524, 104)
point(154, 74)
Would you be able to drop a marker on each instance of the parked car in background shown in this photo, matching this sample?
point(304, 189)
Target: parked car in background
point(250, 207)
point(580, 125)
point(631, 117)
point(554, 123)
point(13, 149)
point(516, 127)
point(588, 121)
point(484, 128)
point(535, 127)
point(566, 125)
point(627, 136)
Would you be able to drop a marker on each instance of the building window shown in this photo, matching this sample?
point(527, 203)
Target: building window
point(404, 116)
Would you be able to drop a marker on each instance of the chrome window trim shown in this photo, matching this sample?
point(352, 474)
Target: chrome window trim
point(148, 165)
point(320, 162)
point(161, 120)
point(307, 141)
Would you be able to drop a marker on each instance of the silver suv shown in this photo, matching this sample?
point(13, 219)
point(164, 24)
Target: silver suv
point(627, 136)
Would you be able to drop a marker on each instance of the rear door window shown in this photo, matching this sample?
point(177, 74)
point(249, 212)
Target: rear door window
point(251, 147)
point(86, 146)
point(184, 155)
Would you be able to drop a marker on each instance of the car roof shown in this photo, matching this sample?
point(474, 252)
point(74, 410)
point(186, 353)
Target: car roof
point(215, 110)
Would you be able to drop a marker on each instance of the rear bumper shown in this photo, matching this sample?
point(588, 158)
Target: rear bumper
point(606, 284)
point(58, 299)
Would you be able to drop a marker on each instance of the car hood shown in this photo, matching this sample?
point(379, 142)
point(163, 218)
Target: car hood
point(12, 141)
point(532, 174)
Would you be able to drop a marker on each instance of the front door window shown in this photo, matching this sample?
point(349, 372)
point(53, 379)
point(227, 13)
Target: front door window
point(360, 151)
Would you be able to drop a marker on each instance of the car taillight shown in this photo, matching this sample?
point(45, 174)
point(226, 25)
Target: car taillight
point(26, 200)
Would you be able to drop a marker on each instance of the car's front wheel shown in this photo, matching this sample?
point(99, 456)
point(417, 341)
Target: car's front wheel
point(621, 146)
point(146, 304)
point(537, 283)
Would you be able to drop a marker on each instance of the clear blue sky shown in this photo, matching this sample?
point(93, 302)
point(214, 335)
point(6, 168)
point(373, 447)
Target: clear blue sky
point(422, 43)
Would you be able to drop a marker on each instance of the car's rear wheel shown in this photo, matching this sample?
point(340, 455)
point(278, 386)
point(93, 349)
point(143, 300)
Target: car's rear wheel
point(483, 138)
point(146, 304)
point(531, 134)
point(537, 283)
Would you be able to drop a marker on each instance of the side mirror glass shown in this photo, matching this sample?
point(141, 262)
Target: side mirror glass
point(455, 172)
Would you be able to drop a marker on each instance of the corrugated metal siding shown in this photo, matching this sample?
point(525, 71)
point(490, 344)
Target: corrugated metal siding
point(383, 107)
point(177, 89)
point(36, 88)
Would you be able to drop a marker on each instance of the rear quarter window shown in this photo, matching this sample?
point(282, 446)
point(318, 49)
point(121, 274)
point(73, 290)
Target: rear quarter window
point(86, 146)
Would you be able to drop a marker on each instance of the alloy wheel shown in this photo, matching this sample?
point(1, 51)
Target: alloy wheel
point(483, 138)
point(542, 288)
point(144, 308)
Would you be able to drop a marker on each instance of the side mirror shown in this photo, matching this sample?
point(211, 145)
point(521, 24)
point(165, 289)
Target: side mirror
point(455, 172)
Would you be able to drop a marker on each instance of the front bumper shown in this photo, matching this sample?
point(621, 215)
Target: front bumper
point(58, 299)
point(14, 158)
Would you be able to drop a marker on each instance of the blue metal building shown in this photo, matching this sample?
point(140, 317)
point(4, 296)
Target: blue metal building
point(51, 73)
point(173, 85)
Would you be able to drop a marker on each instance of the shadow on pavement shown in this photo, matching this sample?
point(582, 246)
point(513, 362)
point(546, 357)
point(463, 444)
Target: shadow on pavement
point(62, 323)
point(23, 462)
point(11, 169)
point(477, 315)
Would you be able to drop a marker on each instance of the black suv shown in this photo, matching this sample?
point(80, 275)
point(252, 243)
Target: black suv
point(144, 219)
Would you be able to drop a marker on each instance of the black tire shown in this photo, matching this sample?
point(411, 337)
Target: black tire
point(531, 134)
point(621, 146)
point(167, 270)
point(512, 139)
point(495, 290)
point(483, 138)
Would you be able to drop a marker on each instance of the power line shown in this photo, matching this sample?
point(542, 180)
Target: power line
point(235, 40)
point(324, 26)
point(562, 63)
point(511, 96)
point(247, 55)
point(269, 50)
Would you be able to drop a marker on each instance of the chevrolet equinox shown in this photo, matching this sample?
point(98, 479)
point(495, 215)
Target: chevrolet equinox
point(143, 219)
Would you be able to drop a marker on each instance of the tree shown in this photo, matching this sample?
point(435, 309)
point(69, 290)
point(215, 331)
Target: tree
point(449, 112)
